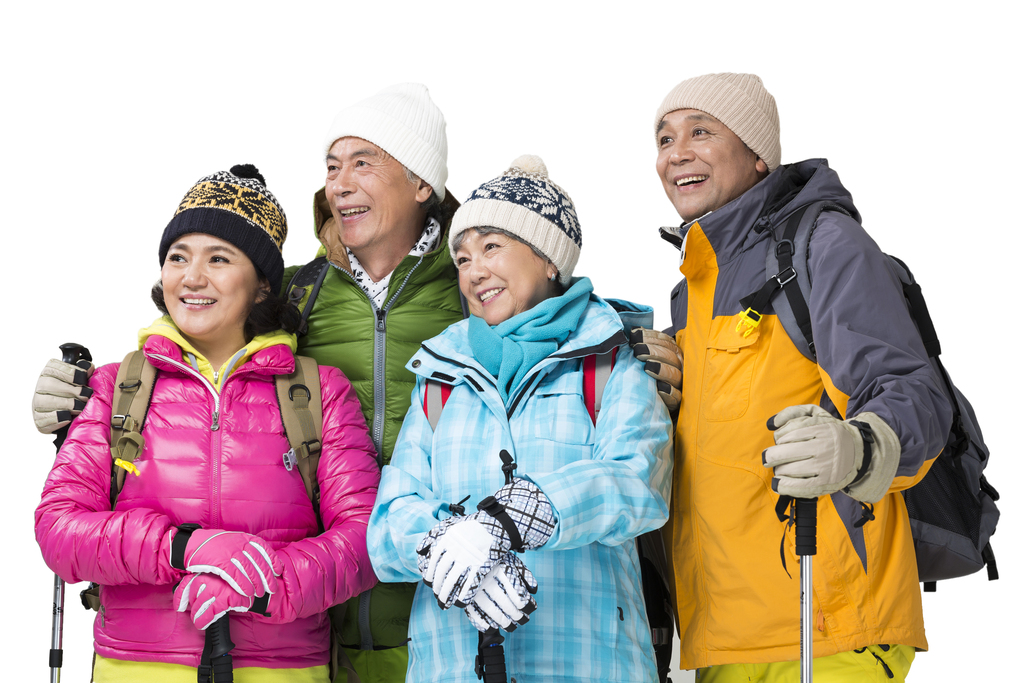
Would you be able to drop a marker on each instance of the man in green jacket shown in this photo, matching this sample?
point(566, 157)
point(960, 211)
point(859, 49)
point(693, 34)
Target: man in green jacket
point(384, 282)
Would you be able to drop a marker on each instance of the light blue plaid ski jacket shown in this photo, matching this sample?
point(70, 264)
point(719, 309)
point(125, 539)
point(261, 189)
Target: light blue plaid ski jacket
point(607, 484)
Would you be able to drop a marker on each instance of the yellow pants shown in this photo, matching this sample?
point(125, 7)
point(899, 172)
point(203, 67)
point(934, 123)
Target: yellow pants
point(123, 671)
point(881, 663)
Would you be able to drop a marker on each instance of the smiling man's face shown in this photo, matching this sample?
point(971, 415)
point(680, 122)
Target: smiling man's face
point(371, 196)
point(702, 164)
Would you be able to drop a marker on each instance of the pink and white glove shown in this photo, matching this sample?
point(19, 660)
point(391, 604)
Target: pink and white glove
point(247, 563)
point(208, 597)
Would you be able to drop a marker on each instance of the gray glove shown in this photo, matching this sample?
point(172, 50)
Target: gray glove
point(817, 454)
point(662, 360)
point(61, 393)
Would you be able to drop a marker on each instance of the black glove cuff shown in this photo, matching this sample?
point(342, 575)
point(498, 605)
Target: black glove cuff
point(868, 438)
point(179, 543)
point(491, 506)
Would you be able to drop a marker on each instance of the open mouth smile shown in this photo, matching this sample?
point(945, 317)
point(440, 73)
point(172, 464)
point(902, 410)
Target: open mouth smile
point(354, 211)
point(485, 297)
point(690, 180)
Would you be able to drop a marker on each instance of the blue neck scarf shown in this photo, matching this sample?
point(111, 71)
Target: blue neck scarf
point(511, 349)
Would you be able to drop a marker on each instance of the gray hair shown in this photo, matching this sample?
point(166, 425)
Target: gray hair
point(434, 205)
point(488, 230)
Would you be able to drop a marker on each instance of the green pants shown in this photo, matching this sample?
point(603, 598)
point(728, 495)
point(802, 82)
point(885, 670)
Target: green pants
point(866, 665)
point(377, 666)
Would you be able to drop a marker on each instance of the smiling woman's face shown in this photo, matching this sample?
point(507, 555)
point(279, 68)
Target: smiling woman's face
point(501, 277)
point(209, 288)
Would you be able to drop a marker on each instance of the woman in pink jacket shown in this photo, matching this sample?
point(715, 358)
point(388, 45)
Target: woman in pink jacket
point(214, 522)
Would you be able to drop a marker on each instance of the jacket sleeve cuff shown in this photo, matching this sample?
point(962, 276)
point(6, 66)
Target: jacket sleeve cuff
point(885, 459)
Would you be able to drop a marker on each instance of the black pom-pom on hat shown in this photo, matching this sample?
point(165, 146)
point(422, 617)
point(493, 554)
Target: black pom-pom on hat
point(248, 171)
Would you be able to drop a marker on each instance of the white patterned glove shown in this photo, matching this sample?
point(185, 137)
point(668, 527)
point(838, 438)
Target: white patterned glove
point(458, 553)
point(817, 454)
point(505, 597)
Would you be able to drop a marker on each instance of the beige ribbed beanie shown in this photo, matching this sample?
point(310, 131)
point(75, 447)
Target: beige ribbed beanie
point(404, 122)
point(740, 101)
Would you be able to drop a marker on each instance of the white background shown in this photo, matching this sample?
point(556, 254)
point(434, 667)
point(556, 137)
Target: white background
point(111, 113)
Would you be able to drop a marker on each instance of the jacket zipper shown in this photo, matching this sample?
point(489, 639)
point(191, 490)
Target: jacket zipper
point(214, 427)
point(215, 418)
point(379, 358)
point(380, 337)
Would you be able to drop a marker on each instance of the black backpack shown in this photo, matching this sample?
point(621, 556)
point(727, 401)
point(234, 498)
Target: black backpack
point(952, 509)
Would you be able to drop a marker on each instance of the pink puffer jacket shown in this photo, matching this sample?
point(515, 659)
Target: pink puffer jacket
point(231, 478)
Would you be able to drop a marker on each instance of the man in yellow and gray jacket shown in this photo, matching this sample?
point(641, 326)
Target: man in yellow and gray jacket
point(759, 420)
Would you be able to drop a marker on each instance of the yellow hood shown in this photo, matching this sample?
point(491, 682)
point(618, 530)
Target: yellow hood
point(165, 327)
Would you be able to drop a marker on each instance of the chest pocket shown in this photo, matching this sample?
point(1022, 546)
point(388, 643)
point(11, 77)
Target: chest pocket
point(556, 412)
point(728, 371)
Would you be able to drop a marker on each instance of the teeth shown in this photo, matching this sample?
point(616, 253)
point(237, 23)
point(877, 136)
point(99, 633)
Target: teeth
point(353, 212)
point(490, 294)
point(199, 302)
point(691, 180)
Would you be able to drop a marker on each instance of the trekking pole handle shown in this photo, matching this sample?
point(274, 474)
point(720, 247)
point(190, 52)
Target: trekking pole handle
point(806, 526)
point(71, 353)
point(220, 637)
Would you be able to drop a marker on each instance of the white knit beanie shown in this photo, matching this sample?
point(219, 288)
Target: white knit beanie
point(404, 122)
point(523, 201)
point(740, 101)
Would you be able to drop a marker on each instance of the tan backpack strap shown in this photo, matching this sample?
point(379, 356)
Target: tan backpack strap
point(133, 389)
point(302, 413)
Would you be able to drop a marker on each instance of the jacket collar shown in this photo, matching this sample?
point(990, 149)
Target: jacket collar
point(600, 330)
point(266, 354)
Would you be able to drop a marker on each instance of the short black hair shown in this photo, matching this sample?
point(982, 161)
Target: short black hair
point(270, 314)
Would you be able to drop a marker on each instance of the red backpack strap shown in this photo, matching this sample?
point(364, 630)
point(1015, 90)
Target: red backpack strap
point(435, 395)
point(596, 371)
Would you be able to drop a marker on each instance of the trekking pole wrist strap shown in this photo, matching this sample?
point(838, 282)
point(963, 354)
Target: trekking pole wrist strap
point(868, 438)
point(491, 506)
point(180, 542)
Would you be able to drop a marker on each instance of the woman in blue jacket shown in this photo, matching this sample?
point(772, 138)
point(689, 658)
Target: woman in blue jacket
point(559, 494)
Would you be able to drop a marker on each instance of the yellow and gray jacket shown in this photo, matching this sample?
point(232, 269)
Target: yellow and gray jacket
point(736, 601)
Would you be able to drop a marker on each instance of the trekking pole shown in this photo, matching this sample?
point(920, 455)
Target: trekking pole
point(216, 658)
point(806, 548)
point(70, 354)
point(490, 660)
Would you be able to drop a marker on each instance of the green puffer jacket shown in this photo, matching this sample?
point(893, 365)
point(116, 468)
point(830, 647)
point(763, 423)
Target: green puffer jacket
point(371, 346)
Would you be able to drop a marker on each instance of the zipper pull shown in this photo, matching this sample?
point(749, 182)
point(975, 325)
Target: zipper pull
point(380, 321)
point(216, 421)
